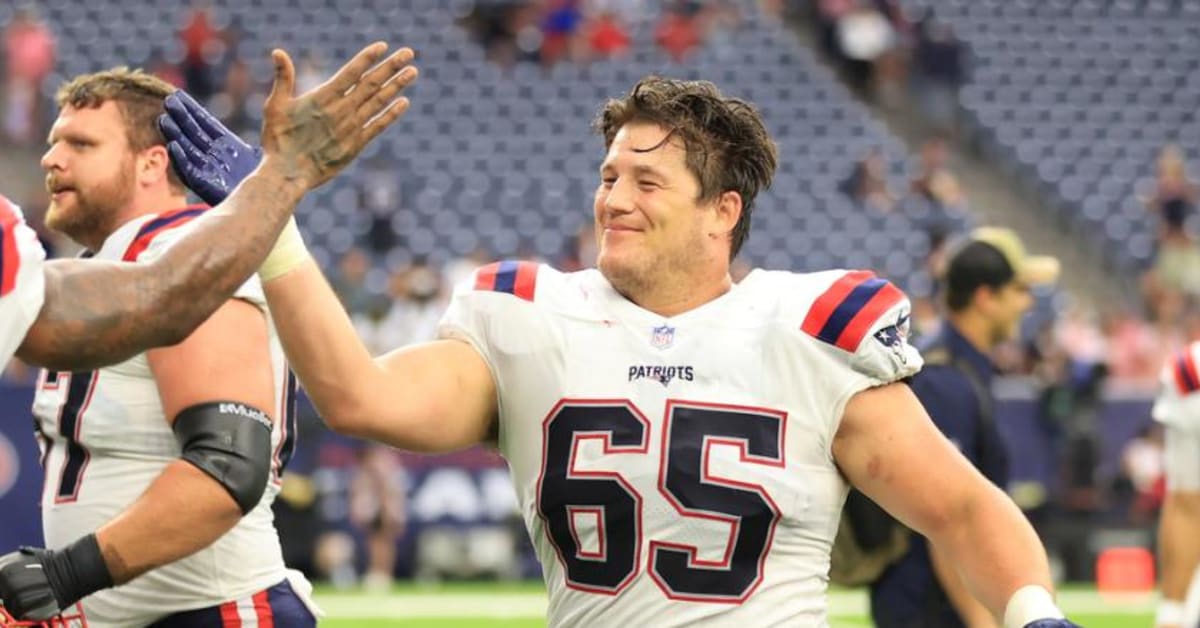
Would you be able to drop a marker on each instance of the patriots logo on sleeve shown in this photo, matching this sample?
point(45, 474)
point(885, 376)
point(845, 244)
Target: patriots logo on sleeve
point(844, 314)
point(894, 336)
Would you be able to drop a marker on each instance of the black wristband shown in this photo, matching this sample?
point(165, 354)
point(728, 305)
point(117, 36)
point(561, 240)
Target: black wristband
point(77, 571)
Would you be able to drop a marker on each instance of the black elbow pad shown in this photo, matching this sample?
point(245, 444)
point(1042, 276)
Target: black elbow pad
point(231, 442)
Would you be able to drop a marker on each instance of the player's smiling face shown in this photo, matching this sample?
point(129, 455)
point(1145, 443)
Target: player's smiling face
point(649, 221)
point(89, 171)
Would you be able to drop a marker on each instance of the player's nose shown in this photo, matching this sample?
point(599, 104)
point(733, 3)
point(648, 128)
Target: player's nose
point(52, 158)
point(619, 198)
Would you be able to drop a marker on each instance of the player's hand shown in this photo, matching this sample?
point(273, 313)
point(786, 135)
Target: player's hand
point(209, 158)
point(36, 584)
point(313, 136)
point(25, 586)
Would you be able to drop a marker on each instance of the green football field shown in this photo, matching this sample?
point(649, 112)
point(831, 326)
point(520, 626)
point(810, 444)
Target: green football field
point(524, 605)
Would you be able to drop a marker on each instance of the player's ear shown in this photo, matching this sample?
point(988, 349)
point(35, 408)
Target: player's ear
point(153, 164)
point(728, 211)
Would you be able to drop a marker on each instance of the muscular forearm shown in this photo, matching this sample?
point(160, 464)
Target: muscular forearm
point(182, 512)
point(994, 547)
point(1179, 544)
point(99, 313)
point(321, 344)
point(972, 613)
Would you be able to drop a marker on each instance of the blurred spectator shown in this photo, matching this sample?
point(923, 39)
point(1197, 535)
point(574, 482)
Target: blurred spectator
point(1143, 467)
point(934, 181)
point(158, 65)
point(416, 307)
point(607, 36)
point(1174, 197)
point(29, 51)
point(938, 73)
point(1177, 264)
point(233, 105)
point(560, 25)
point(378, 507)
point(868, 184)
point(311, 71)
point(350, 284)
point(199, 36)
point(676, 33)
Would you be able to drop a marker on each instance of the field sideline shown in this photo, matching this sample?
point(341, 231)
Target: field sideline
point(524, 606)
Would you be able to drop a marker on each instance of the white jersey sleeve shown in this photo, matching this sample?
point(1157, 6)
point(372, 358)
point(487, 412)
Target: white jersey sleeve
point(150, 244)
point(22, 282)
point(1178, 408)
point(1178, 401)
point(484, 301)
point(863, 323)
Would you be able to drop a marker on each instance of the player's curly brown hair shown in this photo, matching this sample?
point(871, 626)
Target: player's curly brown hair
point(138, 95)
point(728, 148)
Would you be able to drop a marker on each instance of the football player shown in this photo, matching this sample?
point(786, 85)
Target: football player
point(162, 469)
point(1178, 409)
point(70, 314)
point(680, 445)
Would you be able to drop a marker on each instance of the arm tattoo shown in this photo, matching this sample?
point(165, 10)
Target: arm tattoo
point(97, 313)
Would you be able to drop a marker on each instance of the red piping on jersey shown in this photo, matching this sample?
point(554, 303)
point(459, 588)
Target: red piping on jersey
point(162, 222)
point(10, 257)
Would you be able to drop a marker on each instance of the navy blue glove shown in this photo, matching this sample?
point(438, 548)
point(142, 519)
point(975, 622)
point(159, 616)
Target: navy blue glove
point(211, 159)
point(1052, 623)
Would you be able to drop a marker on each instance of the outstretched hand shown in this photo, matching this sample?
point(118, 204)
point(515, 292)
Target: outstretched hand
point(314, 135)
point(307, 138)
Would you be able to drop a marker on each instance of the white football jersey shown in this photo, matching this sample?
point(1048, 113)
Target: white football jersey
point(678, 471)
point(22, 284)
point(1178, 402)
point(1178, 409)
point(105, 439)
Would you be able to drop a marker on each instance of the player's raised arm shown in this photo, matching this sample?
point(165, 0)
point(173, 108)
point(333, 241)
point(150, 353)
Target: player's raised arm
point(437, 396)
point(101, 313)
point(888, 448)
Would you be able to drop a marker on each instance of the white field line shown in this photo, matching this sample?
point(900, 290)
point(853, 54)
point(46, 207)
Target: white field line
point(411, 605)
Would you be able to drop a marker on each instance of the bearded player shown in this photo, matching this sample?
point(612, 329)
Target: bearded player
point(69, 314)
point(161, 469)
point(681, 446)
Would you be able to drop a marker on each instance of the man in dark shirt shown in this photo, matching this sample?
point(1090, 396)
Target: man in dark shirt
point(986, 286)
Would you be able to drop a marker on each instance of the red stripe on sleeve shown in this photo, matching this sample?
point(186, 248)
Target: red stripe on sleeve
point(485, 278)
point(526, 283)
point(262, 610)
point(888, 296)
point(825, 304)
point(1189, 362)
point(8, 249)
point(229, 615)
point(1181, 384)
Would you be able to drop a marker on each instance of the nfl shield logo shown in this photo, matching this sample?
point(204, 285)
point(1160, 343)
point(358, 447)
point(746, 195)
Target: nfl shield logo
point(662, 337)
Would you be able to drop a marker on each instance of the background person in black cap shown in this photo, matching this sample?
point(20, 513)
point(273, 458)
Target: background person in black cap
point(987, 288)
